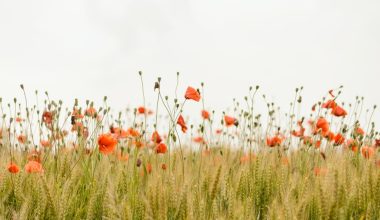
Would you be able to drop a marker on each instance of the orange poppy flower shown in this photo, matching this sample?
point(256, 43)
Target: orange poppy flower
point(330, 104)
point(141, 110)
point(18, 119)
point(22, 139)
point(133, 132)
point(34, 155)
point(230, 121)
point(274, 141)
point(339, 139)
point(90, 112)
point(301, 132)
point(338, 111)
point(199, 139)
point(367, 152)
point(323, 125)
point(156, 138)
point(205, 115)
point(107, 143)
point(193, 94)
point(76, 114)
point(13, 168)
point(359, 131)
point(329, 135)
point(181, 122)
point(148, 168)
point(320, 171)
point(122, 157)
point(161, 148)
point(34, 167)
point(45, 143)
point(119, 132)
point(138, 144)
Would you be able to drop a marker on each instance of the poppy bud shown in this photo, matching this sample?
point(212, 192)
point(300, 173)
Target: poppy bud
point(156, 85)
point(138, 163)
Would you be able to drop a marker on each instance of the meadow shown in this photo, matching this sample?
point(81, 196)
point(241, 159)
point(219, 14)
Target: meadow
point(87, 161)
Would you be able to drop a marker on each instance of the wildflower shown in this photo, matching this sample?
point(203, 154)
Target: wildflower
point(141, 110)
point(193, 94)
point(47, 117)
point(107, 143)
point(13, 168)
point(133, 132)
point(320, 171)
point(161, 148)
point(122, 157)
point(323, 125)
point(33, 167)
point(205, 115)
point(300, 132)
point(330, 104)
point(119, 132)
point(199, 139)
point(230, 121)
point(22, 139)
point(367, 152)
point(148, 168)
point(45, 143)
point(359, 131)
point(18, 119)
point(76, 114)
point(156, 138)
point(338, 111)
point(339, 139)
point(181, 122)
point(218, 131)
point(274, 141)
point(90, 112)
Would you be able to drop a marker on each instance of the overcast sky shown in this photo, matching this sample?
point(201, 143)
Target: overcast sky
point(88, 49)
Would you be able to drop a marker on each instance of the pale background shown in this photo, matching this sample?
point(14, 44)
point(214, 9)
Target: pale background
point(88, 49)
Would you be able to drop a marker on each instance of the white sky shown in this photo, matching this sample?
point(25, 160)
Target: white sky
point(88, 49)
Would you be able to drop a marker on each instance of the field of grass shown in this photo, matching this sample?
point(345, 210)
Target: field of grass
point(88, 162)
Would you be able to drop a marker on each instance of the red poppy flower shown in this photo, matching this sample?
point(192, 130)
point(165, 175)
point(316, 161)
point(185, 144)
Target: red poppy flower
point(338, 111)
point(230, 121)
point(107, 143)
point(330, 104)
point(161, 148)
point(141, 110)
point(205, 115)
point(18, 119)
point(181, 122)
point(274, 141)
point(323, 125)
point(47, 117)
point(193, 94)
point(34, 167)
point(13, 168)
point(339, 139)
point(156, 138)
